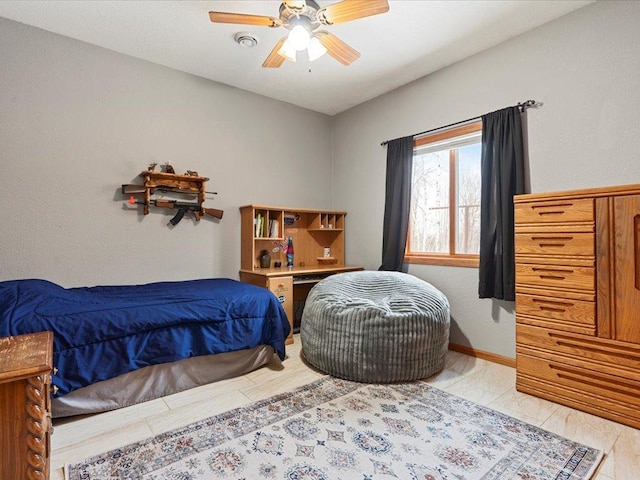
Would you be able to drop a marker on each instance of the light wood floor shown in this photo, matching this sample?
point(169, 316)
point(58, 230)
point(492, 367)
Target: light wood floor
point(477, 380)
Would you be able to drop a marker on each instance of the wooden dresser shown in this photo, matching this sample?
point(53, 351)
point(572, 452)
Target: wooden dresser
point(578, 299)
point(25, 414)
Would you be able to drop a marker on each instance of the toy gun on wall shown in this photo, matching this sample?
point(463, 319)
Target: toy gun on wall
point(128, 189)
point(182, 207)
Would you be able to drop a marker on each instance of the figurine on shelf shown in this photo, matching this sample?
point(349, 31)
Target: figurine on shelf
point(152, 167)
point(191, 173)
point(168, 168)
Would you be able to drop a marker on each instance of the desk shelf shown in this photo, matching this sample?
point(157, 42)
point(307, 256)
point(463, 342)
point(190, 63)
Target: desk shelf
point(268, 228)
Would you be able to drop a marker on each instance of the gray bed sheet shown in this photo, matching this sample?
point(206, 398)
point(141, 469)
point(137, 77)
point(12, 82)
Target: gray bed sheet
point(157, 381)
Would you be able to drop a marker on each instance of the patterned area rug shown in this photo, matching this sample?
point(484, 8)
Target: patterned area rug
point(334, 429)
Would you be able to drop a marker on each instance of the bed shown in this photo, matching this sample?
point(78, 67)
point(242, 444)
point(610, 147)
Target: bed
point(119, 345)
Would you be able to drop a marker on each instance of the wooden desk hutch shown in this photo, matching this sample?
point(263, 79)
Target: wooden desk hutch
point(578, 299)
point(313, 231)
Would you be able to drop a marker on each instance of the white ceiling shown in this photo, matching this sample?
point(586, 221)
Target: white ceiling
point(413, 39)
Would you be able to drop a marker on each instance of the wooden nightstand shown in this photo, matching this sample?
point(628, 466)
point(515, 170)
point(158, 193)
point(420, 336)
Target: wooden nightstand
point(25, 408)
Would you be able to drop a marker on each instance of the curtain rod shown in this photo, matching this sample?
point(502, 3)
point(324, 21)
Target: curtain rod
point(522, 105)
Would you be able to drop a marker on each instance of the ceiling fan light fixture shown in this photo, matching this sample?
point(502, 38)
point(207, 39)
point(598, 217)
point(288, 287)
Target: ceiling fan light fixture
point(299, 37)
point(295, 4)
point(288, 51)
point(315, 49)
point(303, 19)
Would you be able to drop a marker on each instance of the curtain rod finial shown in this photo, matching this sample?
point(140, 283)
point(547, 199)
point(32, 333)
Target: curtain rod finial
point(529, 104)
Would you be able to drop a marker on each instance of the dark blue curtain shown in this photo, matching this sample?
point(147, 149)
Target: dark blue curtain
point(397, 203)
point(502, 178)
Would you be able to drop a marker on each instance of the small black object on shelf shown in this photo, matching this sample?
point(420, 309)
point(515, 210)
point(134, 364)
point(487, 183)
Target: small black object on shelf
point(265, 259)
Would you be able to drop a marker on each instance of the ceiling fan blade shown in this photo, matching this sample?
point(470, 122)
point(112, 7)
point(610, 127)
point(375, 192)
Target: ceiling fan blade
point(348, 10)
point(274, 60)
point(243, 19)
point(337, 48)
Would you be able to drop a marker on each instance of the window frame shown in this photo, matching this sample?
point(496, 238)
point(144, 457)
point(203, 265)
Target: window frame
point(449, 259)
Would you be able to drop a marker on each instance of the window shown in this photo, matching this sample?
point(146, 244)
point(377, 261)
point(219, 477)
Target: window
point(444, 223)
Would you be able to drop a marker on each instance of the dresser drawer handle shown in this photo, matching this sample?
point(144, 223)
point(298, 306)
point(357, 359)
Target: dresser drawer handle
point(551, 241)
point(551, 273)
point(553, 302)
point(552, 270)
point(551, 212)
point(544, 308)
point(597, 381)
point(551, 306)
point(558, 239)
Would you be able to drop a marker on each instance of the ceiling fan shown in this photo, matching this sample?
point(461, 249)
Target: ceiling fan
point(304, 19)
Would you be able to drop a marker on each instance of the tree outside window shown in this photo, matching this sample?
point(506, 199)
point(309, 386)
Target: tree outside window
point(444, 225)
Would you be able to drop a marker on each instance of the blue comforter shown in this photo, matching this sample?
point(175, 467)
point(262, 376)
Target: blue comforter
point(102, 332)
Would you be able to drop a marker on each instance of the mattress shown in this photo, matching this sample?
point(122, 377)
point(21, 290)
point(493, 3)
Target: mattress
point(106, 331)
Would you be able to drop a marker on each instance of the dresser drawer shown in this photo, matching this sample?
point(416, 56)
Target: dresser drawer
point(282, 288)
point(606, 356)
point(555, 244)
point(558, 276)
point(555, 211)
point(579, 312)
point(608, 396)
point(622, 389)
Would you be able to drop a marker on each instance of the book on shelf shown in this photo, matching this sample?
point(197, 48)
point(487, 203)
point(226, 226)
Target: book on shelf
point(259, 224)
point(273, 228)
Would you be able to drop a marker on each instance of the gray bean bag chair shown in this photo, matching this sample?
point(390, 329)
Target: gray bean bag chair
point(375, 327)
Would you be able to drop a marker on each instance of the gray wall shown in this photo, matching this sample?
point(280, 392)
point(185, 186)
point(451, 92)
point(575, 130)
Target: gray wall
point(584, 67)
point(77, 121)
